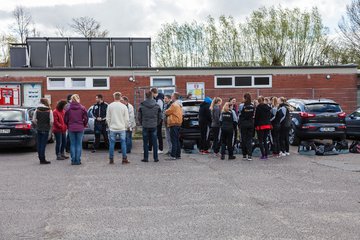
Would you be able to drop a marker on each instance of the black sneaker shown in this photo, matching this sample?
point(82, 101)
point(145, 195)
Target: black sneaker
point(232, 157)
point(157, 160)
point(144, 160)
point(93, 151)
point(222, 157)
point(245, 158)
point(45, 162)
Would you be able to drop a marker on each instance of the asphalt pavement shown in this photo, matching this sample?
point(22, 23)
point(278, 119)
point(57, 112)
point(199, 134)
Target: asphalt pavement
point(197, 197)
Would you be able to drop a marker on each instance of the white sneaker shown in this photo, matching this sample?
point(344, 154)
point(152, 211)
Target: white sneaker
point(159, 152)
point(282, 154)
point(287, 154)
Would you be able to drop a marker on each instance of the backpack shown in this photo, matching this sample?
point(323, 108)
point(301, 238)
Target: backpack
point(355, 147)
point(342, 145)
point(326, 150)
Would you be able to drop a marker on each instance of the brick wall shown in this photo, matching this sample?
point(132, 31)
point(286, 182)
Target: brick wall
point(341, 88)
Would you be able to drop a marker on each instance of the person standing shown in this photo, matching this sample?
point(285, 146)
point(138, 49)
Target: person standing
point(167, 104)
point(131, 126)
point(43, 119)
point(76, 119)
point(99, 112)
point(149, 117)
point(227, 120)
point(174, 120)
point(117, 118)
point(285, 126)
point(159, 98)
point(246, 125)
point(233, 103)
point(205, 124)
point(215, 124)
point(263, 126)
point(67, 106)
point(59, 130)
point(275, 131)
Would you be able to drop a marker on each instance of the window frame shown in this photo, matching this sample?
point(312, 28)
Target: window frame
point(242, 75)
point(69, 83)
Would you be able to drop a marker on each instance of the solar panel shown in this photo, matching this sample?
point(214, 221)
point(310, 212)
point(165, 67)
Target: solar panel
point(59, 52)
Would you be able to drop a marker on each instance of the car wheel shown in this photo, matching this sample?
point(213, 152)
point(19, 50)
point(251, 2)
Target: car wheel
point(293, 139)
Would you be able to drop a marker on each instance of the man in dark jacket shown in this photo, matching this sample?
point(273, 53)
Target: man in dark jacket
point(99, 113)
point(205, 124)
point(159, 99)
point(149, 116)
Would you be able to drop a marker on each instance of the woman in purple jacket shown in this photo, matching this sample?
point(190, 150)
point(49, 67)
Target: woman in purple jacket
point(76, 120)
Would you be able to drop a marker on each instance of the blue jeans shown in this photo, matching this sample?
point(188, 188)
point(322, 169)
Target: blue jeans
point(128, 141)
point(175, 142)
point(60, 139)
point(76, 146)
point(42, 139)
point(112, 139)
point(150, 134)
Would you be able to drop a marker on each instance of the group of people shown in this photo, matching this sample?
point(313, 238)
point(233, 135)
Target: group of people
point(267, 118)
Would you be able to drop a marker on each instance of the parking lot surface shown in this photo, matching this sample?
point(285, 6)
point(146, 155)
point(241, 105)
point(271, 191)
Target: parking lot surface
point(197, 197)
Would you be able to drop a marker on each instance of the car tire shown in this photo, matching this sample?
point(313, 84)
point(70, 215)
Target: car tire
point(293, 139)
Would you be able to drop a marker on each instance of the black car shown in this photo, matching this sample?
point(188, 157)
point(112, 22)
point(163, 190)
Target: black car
point(190, 130)
point(16, 128)
point(316, 119)
point(353, 125)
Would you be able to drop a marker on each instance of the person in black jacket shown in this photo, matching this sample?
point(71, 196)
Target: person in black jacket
point(205, 124)
point(285, 126)
point(99, 113)
point(263, 126)
point(215, 124)
point(246, 124)
point(159, 98)
point(227, 120)
point(275, 131)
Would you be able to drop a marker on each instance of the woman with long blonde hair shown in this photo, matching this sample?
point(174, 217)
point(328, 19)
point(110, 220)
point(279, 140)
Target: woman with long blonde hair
point(215, 123)
point(227, 120)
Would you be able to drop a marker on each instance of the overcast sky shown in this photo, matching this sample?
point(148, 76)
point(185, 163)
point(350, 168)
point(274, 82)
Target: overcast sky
point(142, 18)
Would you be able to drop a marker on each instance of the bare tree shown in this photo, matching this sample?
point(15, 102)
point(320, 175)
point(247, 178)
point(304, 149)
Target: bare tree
point(350, 26)
point(88, 27)
point(23, 20)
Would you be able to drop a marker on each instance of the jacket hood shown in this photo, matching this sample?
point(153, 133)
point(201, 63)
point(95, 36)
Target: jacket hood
point(75, 106)
point(42, 107)
point(208, 100)
point(149, 103)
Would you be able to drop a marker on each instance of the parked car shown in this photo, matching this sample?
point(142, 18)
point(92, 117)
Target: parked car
point(353, 125)
point(16, 128)
point(190, 130)
point(316, 119)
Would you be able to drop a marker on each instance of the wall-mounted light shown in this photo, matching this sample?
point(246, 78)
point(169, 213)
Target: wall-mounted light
point(131, 79)
point(328, 77)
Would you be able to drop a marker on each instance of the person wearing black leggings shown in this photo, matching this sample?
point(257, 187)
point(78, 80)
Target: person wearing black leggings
point(285, 126)
point(263, 126)
point(275, 131)
point(246, 125)
point(227, 120)
point(215, 124)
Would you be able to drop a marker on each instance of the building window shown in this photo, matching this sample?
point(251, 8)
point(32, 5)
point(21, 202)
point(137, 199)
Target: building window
point(56, 83)
point(100, 82)
point(164, 84)
point(243, 81)
point(78, 83)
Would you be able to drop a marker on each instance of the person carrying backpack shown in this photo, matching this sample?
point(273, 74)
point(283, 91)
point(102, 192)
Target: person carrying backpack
point(285, 126)
point(246, 125)
point(227, 120)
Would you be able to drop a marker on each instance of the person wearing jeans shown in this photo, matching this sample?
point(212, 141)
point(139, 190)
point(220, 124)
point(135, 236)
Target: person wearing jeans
point(59, 130)
point(131, 126)
point(43, 119)
point(113, 135)
point(76, 119)
point(174, 120)
point(149, 116)
point(117, 118)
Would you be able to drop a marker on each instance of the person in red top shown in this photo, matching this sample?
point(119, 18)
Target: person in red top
point(59, 130)
point(263, 125)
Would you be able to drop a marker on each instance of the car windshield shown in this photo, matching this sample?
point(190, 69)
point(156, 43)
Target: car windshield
point(11, 116)
point(191, 108)
point(323, 108)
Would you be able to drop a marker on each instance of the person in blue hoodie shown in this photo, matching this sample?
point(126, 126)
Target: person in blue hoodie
point(205, 125)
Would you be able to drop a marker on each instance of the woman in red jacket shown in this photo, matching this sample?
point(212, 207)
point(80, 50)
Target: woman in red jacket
point(59, 130)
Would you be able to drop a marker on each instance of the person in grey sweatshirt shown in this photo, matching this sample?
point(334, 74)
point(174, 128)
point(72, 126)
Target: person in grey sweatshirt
point(215, 124)
point(149, 116)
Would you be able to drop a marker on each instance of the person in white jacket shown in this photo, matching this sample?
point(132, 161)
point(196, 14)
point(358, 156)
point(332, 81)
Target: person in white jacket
point(132, 124)
point(117, 118)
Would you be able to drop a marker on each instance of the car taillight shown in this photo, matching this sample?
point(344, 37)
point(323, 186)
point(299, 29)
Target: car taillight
point(26, 126)
point(342, 115)
point(342, 127)
point(307, 115)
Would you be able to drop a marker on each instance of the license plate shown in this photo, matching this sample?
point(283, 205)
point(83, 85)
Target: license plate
point(4, 131)
point(330, 129)
point(194, 123)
